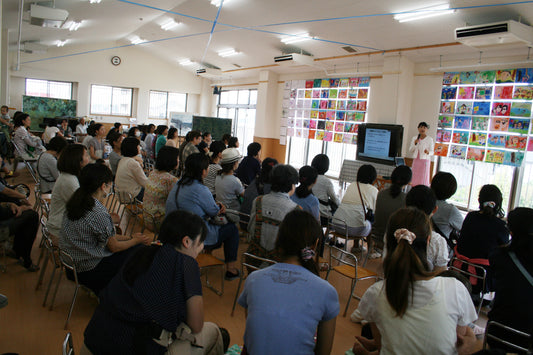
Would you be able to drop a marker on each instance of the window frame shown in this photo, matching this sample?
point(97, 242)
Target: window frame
point(167, 115)
point(111, 107)
point(237, 107)
point(48, 87)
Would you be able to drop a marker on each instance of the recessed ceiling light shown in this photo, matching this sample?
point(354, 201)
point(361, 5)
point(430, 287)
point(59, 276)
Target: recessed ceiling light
point(61, 43)
point(228, 52)
point(218, 2)
point(423, 13)
point(95, 1)
point(170, 24)
point(136, 39)
point(74, 25)
point(186, 62)
point(296, 38)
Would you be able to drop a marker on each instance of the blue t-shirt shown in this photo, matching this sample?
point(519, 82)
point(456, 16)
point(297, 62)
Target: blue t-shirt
point(309, 203)
point(285, 303)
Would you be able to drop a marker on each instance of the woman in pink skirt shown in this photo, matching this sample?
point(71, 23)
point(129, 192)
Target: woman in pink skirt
point(421, 149)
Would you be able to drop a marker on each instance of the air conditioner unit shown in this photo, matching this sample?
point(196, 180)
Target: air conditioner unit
point(294, 59)
point(47, 16)
point(494, 34)
point(209, 72)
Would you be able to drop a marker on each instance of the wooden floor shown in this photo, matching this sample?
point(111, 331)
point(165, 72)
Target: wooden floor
point(28, 329)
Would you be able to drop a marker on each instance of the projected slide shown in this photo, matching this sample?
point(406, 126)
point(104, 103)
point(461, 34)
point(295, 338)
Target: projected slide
point(377, 143)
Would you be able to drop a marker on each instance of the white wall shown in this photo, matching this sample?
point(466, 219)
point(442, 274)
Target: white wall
point(139, 70)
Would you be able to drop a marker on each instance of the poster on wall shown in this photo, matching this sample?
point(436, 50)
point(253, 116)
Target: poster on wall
point(486, 116)
point(328, 109)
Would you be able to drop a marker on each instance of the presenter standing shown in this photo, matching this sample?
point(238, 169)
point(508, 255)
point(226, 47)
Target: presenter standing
point(421, 149)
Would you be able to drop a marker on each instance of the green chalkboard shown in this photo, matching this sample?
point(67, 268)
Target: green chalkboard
point(216, 126)
point(41, 107)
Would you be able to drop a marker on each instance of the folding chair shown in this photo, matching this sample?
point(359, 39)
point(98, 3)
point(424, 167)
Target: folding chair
point(338, 229)
point(472, 272)
point(132, 206)
point(26, 162)
point(347, 266)
point(249, 267)
point(152, 222)
point(207, 262)
point(68, 346)
point(493, 326)
point(244, 218)
point(51, 254)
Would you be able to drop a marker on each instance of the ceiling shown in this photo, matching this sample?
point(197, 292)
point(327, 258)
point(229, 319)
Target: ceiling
point(254, 28)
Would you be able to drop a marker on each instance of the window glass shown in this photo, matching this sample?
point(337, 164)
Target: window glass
point(46, 88)
point(121, 104)
point(525, 198)
point(177, 102)
point(158, 104)
point(243, 97)
point(108, 100)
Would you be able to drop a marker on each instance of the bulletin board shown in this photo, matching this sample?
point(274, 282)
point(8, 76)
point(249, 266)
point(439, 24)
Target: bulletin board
point(40, 107)
point(216, 126)
point(486, 116)
point(325, 109)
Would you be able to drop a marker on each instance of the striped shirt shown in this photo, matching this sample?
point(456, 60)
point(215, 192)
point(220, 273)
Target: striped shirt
point(86, 238)
point(209, 180)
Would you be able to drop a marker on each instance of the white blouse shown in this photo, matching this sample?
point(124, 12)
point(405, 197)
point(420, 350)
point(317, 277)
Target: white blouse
point(424, 144)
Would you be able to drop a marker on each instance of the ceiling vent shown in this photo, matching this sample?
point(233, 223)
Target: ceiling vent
point(47, 16)
point(294, 59)
point(494, 34)
point(209, 73)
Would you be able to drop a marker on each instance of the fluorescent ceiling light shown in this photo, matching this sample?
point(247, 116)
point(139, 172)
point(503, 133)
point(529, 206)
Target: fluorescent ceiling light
point(426, 12)
point(296, 38)
point(228, 52)
point(95, 1)
point(74, 25)
point(170, 24)
point(136, 40)
point(61, 43)
point(186, 62)
point(218, 2)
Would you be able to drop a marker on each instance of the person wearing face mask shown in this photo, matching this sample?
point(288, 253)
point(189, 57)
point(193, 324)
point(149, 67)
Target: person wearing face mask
point(421, 149)
point(88, 232)
point(136, 133)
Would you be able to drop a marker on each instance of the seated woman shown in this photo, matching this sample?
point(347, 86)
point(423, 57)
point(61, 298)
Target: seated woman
point(47, 164)
point(483, 231)
point(324, 190)
point(289, 301)
point(269, 210)
point(115, 140)
point(511, 267)
point(190, 194)
point(228, 187)
point(412, 312)
point(130, 177)
point(172, 137)
point(96, 145)
point(250, 165)
point(158, 290)
point(29, 146)
point(261, 185)
point(303, 195)
point(447, 218)
point(161, 140)
point(350, 213)
point(88, 233)
point(73, 158)
point(215, 155)
point(160, 182)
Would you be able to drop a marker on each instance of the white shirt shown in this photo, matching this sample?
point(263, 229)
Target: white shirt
point(424, 144)
point(351, 207)
point(65, 186)
point(49, 133)
point(325, 191)
point(81, 128)
point(436, 307)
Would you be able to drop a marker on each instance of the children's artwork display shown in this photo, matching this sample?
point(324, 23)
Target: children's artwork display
point(330, 109)
point(486, 116)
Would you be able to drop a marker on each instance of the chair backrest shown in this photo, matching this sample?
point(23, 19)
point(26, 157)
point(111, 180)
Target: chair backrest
point(338, 226)
point(248, 262)
point(493, 327)
point(124, 197)
point(342, 257)
point(68, 263)
point(473, 271)
point(68, 346)
point(154, 221)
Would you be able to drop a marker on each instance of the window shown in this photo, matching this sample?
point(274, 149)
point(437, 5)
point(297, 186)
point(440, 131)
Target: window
point(109, 100)
point(240, 106)
point(163, 102)
point(47, 88)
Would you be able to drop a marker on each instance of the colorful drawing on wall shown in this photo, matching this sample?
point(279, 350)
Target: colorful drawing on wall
point(361, 106)
point(530, 145)
point(495, 156)
point(320, 135)
point(503, 92)
point(462, 122)
point(298, 123)
point(478, 139)
point(465, 93)
point(443, 135)
point(344, 83)
point(516, 142)
point(501, 108)
point(321, 125)
point(324, 83)
point(445, 121)
point(290, 131)
point(323, 105)
point(306, 123)
point(359, 116)
point(347, 138)
point(317, 83)
point(328, 136)
point(330, 115)
point(464, 107)
point(316, 94)
point(476, 154)
point(352, 94)
point(450, 78)
point(341, 115)
point(499, 124)
point(290, 122)
point(343, 93)
point(355, 129)
point(523, 92)
point(513, 158)
point(339, 127)
point(517, 125)
point(330, 125)
point(364, 81)
point(441, 149)
point(312, 124)
point(505, 76)
point(309, 84)
point(324, 93)
point(332, 104)
point(480, 123)
point(362, 94)
point(321, 115)
point(481, 108)
point(314, 114)
point(486, 77)
point(524, 75)
point(341, 105)
point(312, 133)
point(483, 93)
point(351, 105)
point(348, 127)
point(333, 83)
point(468, 77)
point(354, 82)
point(521, 109)
point(315, 104)
point(497, 140)
point(458, 151)
point(448, 92)
point(333, 93)
point(460, 137)
point(337, 138)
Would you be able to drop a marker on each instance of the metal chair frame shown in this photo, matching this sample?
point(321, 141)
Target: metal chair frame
point(68, 346)
point(468, 274)
point(27, 163)
point(494, 324)
point(336, 223)
point(206, 262)
point(134, 208)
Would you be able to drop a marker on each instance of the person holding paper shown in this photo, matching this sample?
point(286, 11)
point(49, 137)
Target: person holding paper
point(420, 149)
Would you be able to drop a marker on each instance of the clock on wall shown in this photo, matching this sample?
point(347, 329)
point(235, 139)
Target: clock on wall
point(115, 60)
